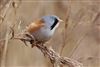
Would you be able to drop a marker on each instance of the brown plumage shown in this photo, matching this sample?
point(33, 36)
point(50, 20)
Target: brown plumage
point(34, 26)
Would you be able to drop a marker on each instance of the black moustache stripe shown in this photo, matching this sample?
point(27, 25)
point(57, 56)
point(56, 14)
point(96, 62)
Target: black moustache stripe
point(55, 22)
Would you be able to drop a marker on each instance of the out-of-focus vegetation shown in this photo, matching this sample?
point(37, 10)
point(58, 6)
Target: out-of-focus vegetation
point(77, 38)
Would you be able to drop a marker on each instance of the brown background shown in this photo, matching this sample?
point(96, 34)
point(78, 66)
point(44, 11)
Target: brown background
point(81, 37)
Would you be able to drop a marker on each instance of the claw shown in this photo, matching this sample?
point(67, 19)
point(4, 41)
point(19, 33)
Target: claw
point(32, 39)
point(30, 36)
point(32, 43)
point(24, 42)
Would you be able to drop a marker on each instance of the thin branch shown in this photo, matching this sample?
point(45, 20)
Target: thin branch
point(64, 31)
point(4, 13)
point(54, 57)
point(3, 60)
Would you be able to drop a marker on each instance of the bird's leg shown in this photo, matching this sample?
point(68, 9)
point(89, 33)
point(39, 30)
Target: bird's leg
point(32, 39)
point(24, 42)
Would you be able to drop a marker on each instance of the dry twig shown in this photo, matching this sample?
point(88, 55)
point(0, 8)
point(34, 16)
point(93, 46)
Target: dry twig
point(55, 58)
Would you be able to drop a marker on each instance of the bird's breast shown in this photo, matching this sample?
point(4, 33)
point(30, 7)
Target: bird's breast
point(44, 34)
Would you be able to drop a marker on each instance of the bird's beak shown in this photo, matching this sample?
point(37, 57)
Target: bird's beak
point(61, 20)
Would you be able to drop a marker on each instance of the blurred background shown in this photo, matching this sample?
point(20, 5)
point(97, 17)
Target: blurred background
point(78, 38)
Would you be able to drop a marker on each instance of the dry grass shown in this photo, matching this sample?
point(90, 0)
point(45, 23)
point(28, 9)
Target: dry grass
point(79, 39)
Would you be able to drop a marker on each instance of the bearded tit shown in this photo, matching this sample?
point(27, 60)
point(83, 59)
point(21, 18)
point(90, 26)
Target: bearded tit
point(44, 28)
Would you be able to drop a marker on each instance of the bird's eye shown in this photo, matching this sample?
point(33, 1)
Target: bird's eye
point(55, 22)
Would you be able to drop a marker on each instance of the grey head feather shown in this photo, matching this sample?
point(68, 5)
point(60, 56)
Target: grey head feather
point(50, 20)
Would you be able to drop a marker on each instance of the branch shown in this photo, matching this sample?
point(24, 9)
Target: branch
point(55, 58)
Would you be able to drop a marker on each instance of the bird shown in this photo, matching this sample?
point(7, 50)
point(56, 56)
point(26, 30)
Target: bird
point(43, 29)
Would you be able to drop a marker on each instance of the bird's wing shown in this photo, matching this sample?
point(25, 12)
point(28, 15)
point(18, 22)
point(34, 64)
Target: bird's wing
point(34, 26)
